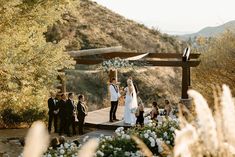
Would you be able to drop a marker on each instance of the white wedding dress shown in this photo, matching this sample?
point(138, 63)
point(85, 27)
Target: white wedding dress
point(130, 106)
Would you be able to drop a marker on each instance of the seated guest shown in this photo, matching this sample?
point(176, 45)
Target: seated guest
point(55, 143)
point(62, 140)
point(62, 113)
point(140, 113)
point(82, 112)
point(167, 107)
point(154, 113)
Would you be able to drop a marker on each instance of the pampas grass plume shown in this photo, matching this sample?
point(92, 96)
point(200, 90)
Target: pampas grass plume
point(89, 148)
point(207, 124)
point(228, 111)
point(37, 140)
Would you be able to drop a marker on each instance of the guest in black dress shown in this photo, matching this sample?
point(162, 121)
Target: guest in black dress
point(140, 113)
point(82, 112)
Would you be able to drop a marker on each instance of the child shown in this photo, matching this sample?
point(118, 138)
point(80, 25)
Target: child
point(154, 113)
point(167, 107)
point(140, 113)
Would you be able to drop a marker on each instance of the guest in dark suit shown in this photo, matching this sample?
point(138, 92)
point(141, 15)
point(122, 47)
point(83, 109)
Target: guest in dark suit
point(82, 112)
point(62, 113)
point(70, 119)
point(53, 112)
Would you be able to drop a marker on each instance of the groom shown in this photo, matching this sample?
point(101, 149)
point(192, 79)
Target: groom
point(114, 95)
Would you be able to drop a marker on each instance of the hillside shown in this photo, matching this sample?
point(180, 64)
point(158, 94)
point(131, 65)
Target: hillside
point(211, 31)
point(96, 26)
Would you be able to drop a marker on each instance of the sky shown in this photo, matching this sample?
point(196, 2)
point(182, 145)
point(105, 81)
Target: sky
point(175, 16)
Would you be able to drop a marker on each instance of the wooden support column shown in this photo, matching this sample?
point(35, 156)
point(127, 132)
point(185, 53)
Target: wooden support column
point(112, 73)
point(62, 86)
point(185, 81)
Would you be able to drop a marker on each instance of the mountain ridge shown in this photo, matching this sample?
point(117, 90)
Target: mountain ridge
point(211, 31)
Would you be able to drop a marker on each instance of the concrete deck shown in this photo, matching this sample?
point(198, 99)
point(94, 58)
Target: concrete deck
point(100, 118)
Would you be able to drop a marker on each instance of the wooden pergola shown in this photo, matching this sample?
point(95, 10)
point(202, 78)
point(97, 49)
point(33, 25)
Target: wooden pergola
point(185, 60)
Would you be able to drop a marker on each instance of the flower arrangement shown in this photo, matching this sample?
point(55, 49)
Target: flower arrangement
point(155, 136)
point(66, 149)
point(116, 63)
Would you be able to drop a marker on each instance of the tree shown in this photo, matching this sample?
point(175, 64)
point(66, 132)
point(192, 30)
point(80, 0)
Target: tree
point(28, 64)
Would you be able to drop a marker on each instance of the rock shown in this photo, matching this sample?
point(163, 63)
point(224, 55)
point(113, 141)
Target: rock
point(15, 142)
point(5, 155)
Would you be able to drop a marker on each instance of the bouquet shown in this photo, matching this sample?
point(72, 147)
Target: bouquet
point(133, 110)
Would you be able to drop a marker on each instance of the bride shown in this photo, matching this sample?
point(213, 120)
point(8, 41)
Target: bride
point(130, 103)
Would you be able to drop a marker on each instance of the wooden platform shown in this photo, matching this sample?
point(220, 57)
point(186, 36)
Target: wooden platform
point(100, 118)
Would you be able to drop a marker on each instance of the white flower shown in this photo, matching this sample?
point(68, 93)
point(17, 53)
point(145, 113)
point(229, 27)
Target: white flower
point(62, 151)
point(146, 135)
point(61, 156)
point(123, 136)
point(85, 138)
point(150, 124)
point(127, 153)
point(172, 129)
point(148, 131)
point(152, 144)
point(165, 134)
point(48, 155)
point(138, 153)
point(102, 146)
point(100, 153)
point(160, 149)
point(168, 142)
point(132, 124)
point(66, 145)
point(151, 139)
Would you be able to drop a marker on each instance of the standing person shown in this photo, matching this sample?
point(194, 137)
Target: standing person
point(114, 96)
point(82, 112)
point(154, 113)
point(130, 103)
point(136, 88)
point(167, 107)
point(62, 113)
point(53, 112)
point(140, 113)
point(70, 114)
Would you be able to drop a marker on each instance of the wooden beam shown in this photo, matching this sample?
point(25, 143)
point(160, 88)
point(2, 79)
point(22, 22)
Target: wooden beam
point(94, 51)
point(174, 63)
point(179, 63)
point(88, 61)
point(124, 55)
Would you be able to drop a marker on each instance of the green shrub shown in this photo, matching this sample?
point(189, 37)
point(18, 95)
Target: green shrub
point(10, 117)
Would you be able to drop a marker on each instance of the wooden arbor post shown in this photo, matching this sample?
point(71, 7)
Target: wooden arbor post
point(185, 78)
point(113, 74)
point(62, 86)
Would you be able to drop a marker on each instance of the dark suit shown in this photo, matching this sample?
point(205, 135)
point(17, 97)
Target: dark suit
point(70, 119)
point(82, 112)
point(53, 106)
point(62, 116)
